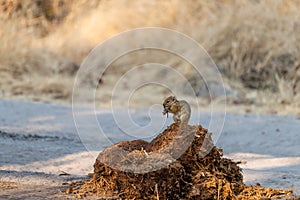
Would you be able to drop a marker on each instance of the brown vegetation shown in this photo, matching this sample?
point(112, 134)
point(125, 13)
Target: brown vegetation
point(255, 44)
point(200, 172)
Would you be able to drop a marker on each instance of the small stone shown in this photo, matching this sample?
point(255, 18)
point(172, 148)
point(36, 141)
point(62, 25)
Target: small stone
point(62, 173)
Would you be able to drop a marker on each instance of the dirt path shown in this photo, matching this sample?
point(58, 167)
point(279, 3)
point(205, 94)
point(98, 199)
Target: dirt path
point(38, 140)
point(11, 190)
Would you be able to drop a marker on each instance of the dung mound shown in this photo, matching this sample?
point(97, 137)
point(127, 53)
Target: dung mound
point(160, 170)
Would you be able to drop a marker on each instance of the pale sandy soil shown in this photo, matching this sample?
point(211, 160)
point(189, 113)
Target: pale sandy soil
point(38, 140)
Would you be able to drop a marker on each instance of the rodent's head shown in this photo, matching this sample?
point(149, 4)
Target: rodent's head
point(170, 104)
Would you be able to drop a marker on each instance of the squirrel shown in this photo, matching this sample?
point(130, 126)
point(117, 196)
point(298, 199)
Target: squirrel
point(180, 108)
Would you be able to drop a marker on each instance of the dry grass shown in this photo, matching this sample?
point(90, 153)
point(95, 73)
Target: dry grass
point(260, 46)
point(254, 43)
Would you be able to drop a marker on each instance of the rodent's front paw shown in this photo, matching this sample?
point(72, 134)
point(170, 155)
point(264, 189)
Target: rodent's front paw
point(165, 112)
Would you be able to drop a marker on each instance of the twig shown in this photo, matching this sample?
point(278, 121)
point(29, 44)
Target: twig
point(156, 190)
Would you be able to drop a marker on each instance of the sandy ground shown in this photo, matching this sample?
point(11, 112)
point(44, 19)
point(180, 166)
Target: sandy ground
point(39, 140)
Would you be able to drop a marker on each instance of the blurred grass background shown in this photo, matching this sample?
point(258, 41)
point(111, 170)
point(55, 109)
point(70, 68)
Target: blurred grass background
point(255, 44)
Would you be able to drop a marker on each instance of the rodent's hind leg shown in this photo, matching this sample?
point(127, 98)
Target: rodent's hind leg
point(184, 119)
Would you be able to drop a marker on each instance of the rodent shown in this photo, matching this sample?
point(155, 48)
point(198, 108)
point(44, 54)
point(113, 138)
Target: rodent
point(180, 108)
